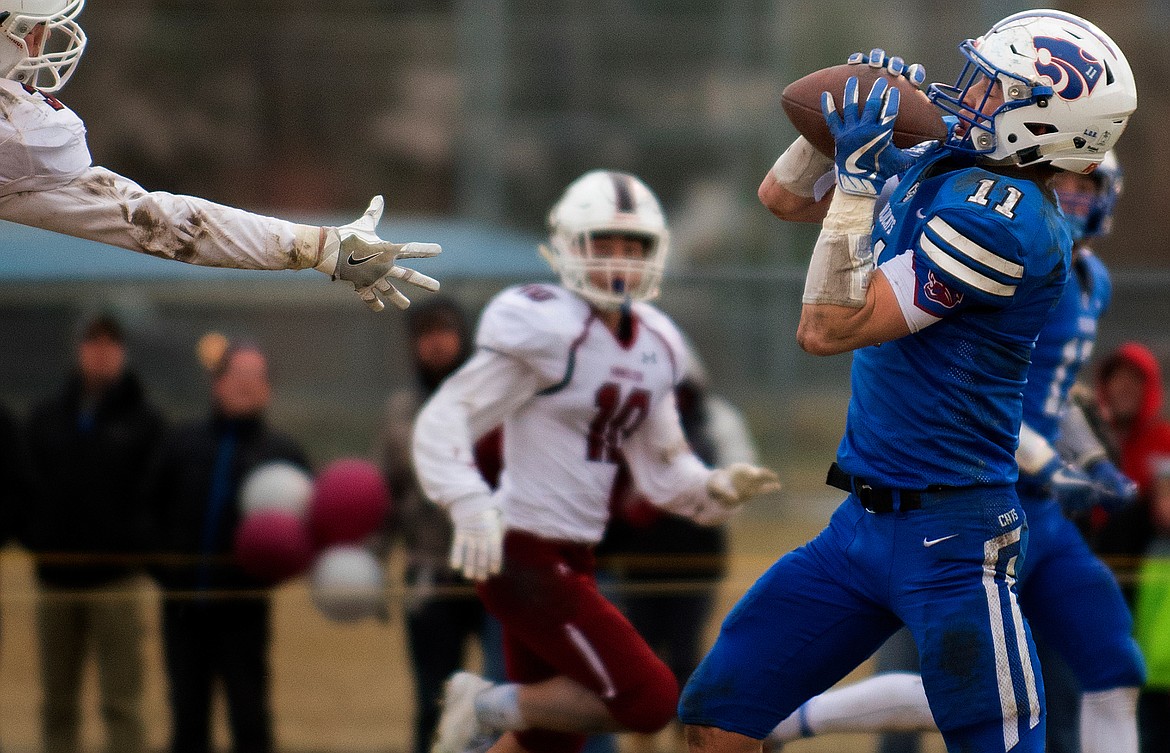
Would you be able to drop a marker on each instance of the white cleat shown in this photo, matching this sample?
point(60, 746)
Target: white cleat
point(459, 725)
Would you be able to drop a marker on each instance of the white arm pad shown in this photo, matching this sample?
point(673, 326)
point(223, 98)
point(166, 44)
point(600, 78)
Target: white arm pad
point(1077, 442)
point(1033, 452)
point(842, 259)
point(899, 272)
point(800, 166)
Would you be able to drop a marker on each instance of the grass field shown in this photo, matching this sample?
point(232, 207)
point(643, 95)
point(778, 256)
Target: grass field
point(337, 689)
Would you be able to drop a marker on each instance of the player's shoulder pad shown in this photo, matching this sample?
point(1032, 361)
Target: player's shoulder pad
point(536, 319)
point(44, 142)
point(40, 115)
point(993, 231)
point(1006, 207)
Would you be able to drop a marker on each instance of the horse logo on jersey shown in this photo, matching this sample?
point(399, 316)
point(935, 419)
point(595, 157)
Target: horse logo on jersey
point(1073, 72)
point(937, 291)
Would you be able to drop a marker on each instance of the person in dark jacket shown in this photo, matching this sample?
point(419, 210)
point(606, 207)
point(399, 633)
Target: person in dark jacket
point(442, 611)
point(216, 618)
point(90, 447)
point(15, 492)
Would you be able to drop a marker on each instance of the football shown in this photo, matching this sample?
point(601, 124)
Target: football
point(918, 120)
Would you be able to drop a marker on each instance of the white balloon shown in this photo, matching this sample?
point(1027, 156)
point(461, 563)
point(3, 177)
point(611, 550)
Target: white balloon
point(278, 485)
point(346, 583)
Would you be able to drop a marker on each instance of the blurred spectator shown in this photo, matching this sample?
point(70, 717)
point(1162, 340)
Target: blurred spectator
point(442, 611)
point(16, 491)
point(1129, 389)
point(216, 621)
point(91, 445)
point(1129, 393)
point(671, 565)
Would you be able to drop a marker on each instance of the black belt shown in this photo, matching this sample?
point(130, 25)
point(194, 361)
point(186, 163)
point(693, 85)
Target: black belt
point(877, 499)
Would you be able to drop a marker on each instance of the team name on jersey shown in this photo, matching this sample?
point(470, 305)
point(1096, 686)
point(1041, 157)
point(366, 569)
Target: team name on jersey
point(886, 219)
point(622, 372)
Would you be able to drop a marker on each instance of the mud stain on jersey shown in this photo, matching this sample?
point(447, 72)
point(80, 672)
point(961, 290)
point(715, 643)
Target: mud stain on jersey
point(961, 656)
point(104, 186)
point(8, 103)
point(158, 237)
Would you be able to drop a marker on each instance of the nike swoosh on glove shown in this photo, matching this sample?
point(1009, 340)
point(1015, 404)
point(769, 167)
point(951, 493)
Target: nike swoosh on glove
point(369, 262)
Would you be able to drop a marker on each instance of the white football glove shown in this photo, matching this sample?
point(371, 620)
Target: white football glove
point(477, 549)
point(737, 483)
point(369, 261)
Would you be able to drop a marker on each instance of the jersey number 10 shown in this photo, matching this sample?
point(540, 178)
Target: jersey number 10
point(615, 420)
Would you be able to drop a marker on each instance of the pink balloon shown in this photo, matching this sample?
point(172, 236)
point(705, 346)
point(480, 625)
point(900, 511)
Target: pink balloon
point(350, 502)
point(273, 545)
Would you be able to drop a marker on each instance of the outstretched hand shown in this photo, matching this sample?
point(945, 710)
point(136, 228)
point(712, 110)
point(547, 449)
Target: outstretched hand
point(735, 484)
point(369, 262)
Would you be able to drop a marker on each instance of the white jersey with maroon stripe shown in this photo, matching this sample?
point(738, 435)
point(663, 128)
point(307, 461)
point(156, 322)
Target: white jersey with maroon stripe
point(42, 142)
point(575, 399)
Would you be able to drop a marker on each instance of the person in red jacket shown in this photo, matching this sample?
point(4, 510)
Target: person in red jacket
point(1129, 390)
point(1129, 393)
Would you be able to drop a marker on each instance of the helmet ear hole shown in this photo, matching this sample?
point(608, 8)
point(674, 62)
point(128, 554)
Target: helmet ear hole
point(1040, 129)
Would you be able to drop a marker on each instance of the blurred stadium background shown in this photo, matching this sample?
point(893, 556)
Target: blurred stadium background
point(471, 116)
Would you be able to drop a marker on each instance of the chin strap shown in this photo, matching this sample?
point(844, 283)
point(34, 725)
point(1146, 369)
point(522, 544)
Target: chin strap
point(626, 323)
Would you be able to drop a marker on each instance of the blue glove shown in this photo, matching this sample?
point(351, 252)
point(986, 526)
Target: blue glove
point(1074, 489)
point(896, 66)
point(1118, 490)
point(865, 156)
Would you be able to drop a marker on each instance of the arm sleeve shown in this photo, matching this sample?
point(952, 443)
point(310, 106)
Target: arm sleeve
point(899, 272)
point(663, 467)
point(729, 433)
point(472, 401)
point(962, 258)
point(1033, 452)
point(103, 206)
point(1077, 442)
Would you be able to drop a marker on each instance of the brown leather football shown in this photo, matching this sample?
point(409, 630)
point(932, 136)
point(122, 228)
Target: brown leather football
point(918, 120)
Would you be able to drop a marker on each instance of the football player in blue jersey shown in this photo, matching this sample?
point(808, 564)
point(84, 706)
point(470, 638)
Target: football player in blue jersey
point(1070, 598)
point(941, 294)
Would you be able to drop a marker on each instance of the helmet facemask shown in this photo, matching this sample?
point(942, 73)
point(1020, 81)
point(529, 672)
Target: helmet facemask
point(607, 280)
point(63, 45)
point(968, 100)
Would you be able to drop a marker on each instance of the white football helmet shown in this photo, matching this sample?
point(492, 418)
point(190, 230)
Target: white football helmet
point(64, 43)
point(1088, 209)
point(603, 202)
point(1068, 92)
